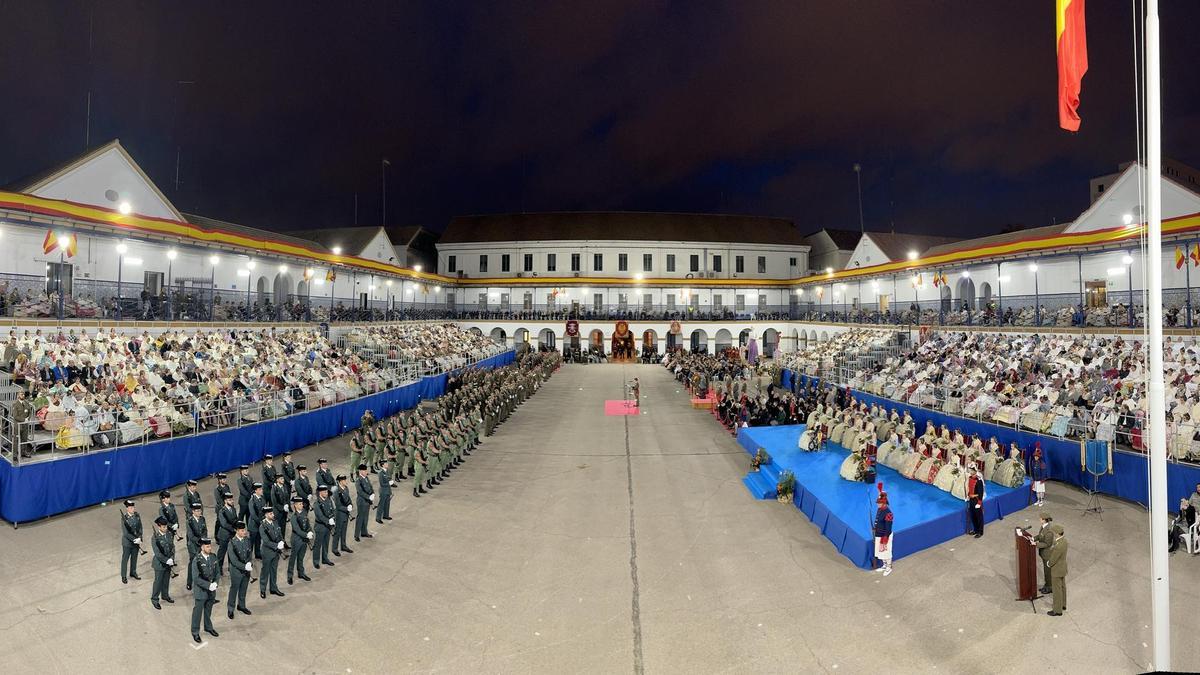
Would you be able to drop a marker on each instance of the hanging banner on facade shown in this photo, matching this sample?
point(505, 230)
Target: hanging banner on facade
point(572, 328)
point(676, 329)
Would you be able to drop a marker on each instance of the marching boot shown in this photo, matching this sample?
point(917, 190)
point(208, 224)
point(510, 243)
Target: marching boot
point(416, 493)
point(289, 580)
point(422, 489)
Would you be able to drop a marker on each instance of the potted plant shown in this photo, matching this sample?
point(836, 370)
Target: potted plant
point(761, 457)
point(785, 487)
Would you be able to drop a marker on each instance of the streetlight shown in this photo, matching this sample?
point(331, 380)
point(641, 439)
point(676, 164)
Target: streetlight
point(417, 268)
point(912, 255)
point(249, 276)
point(1127, 260)
point(212, 286)
point(1037, 303)
point(858, 179)
point(125, 208)
point(122, 249)
point(337, 250)
point(171, 255)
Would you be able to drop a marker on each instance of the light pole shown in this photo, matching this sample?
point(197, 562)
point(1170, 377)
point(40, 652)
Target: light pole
point(249, 277)
point(862, 228)
point(1037, 302)
point(122, 249)
point(383, 170)
point(1127, 260)
point(171, 255)
point(212, 286)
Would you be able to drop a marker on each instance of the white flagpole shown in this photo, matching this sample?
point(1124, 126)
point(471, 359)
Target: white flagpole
point(1159, 567)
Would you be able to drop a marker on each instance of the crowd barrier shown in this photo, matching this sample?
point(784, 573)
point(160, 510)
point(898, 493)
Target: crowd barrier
point(34, 491)
point(1129, 478)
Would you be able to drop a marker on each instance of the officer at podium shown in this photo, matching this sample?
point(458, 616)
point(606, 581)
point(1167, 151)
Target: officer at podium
point(1044, 540)
point(1057, 560)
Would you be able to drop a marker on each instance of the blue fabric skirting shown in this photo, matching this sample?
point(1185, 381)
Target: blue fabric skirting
point(1129, 478)
point(844, 511)
point(33, 491)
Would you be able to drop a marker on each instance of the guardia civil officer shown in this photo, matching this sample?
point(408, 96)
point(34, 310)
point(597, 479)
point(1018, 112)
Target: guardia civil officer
point(302, 534)
point(167, 511)
point(384, 509)
point(303, 486)
point(245, 489)
point(197, 529)
point(226, 526)
point(219, 493)
point(191, 495)
point(366, 497)
point(324, 517)
point(256, 507)
point(205, 573)
point(241, 566)
point(272, 547)
point(163, 547)
point(345, 506)
point(131, 541)
point(324, 475)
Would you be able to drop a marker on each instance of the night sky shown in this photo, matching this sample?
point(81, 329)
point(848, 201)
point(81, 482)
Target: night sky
point(738, 107)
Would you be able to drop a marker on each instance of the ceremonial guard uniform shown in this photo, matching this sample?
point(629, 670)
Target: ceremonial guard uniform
point(384, 508)
point(226, 525)
point(1044, 540)
point(269, 473)
point(303, 487)
point(219, 496)
point(418, 472)
point(302, 534)
point(366, 497)
point(241, 553)
point(344, 505)
point(356, 448)
point(255, 512)
point(168, 513)
point(1057, 561)
point(289, 474)
point(192, 496)
point(197, 529)
point(279, 501)
point(205, 572)
point(131, 541)
point(884, 542)
point(164, 559)
point(272, 547)
point(324, 517)
point(324, 475)
point(245, 489)
point(975, 495)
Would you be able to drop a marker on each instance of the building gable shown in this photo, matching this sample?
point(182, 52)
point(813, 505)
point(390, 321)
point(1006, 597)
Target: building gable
point(1124, 198)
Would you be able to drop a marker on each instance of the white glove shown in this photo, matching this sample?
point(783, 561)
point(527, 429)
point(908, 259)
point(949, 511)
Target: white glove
point(248, 567)
point(170, 562)
point(372, 498)
point(287, 507)
point(331, 521)
point(350, 508)
point(212, 586)
point(310, 535)
point(137, 540)
point(279, 546)
point(175, 527)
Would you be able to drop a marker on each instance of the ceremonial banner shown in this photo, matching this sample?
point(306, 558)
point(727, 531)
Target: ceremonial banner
point(1071, 41)
point(572, 328)
point(1180, 258)
point(676, 329)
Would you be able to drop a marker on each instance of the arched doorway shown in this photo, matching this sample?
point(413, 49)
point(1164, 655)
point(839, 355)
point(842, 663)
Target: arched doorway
point(699, 341)
point(812, 338)
point(803, 344)
point(770, 342)
point(985, 294)
point(966, 292)
point(824, 336)
point(475, 330)
point(649, 343)
point(724, 340)
point(260, 292)
point(546, 339)
point(795, 340)
point(521, 335)
point(302, 289)
point(744, 337)
point(499, 336)
point(281, 288)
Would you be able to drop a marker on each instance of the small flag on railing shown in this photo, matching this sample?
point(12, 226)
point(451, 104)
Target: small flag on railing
point(331, 276)
point(1180, 258)
point(1196, 255)
point(52, 242)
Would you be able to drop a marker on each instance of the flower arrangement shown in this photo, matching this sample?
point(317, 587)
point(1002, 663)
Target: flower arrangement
point(760, 458)
point(786, 487)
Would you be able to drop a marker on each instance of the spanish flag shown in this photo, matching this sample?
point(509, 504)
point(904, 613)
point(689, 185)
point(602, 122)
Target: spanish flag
point(50, 244)
point(331, 276)
point(1196, 255)
point(1071, 39)
point(1180, 258)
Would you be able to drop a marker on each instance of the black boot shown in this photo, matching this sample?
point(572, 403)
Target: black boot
point(416, 493)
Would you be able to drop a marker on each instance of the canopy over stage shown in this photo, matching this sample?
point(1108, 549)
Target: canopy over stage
point(33, 491)
point(1128, 479)
point(844, 511)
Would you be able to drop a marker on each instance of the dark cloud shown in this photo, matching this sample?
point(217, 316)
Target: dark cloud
point(758, 107)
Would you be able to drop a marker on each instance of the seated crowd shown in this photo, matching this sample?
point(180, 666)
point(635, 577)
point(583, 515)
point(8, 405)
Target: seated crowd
point(1076, 386)
point(82, 389)
point(431, 345)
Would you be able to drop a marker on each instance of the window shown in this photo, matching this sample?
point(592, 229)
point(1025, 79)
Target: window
point(505, 262)
point(739, 264)
point(717, 301)
point(452, 264)
point(551, 300)
point(695, 263)
point(762, 302)
point(598, 301)
point(762, 264)
point(450, 300)
point(739, 303)
point(598, 262)
point(648, 301)
point(551, 262)
point(574, 262)
point(504, 301)
point(791, 262)
point(483, 263)
point(622, 262)
point(716, 263)
point(647, 262)
point(670, 262)
point(528, 263)
point(622, 301)
point(483, 299)
point(671, 301)
point(527, 303)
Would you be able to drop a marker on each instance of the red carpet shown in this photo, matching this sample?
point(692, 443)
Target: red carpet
point(620, 408)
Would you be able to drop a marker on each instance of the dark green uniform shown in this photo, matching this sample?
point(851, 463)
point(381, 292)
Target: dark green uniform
point(301, 535)
point(241, 553)
point(366, 497)
point(344, 504)
point(163, 546)
point(131, 541)
point(197, 529)
point(324, 518)
point(205, 573)
point(271, 535)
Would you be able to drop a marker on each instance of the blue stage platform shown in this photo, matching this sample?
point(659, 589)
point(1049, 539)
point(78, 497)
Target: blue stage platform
point(845, 511)
point(33, 491)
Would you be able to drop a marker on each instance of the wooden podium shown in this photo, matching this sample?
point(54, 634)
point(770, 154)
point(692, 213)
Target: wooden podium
point(1027, 587)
